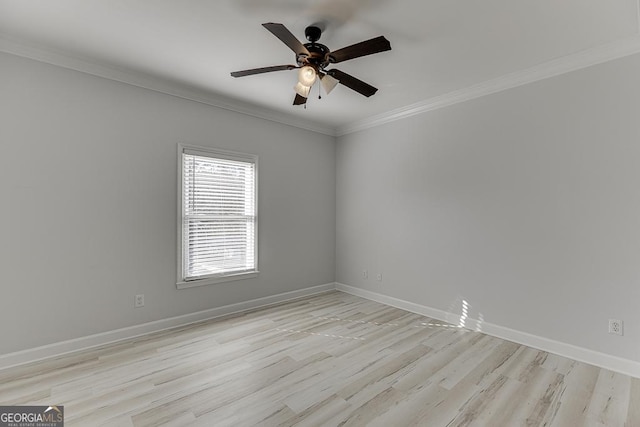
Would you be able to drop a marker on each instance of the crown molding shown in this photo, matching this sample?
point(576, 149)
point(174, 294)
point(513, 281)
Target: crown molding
point(583, 59)
point(142, 80)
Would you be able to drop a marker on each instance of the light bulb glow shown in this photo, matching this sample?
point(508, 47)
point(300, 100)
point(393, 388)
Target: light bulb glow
point(307, 76)
point(302, 90)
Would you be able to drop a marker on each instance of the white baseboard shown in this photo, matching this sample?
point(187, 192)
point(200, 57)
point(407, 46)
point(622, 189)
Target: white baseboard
point(84, 343)
point(602, 360)
point(614, 363)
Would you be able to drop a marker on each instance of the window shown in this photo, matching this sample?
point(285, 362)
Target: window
point(218, 216)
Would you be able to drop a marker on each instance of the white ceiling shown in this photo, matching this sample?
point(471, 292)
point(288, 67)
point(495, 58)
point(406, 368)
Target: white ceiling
point(439, 46)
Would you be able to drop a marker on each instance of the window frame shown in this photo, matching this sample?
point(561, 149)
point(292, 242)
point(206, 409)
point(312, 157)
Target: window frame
point(216, 153)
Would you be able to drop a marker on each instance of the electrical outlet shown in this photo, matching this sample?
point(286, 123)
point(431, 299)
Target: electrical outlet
point(139, 301)
point(379, 277)
point(615, 327)
point(365, 274)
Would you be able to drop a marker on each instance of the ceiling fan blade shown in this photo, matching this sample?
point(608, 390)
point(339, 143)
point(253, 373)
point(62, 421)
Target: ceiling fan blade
point(262, 70)
point(281, 32)
point(299, 100)
point(367, 47)
point(353, 83)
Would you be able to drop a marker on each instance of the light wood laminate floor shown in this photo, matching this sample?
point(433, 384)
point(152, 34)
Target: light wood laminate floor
point(332, 359)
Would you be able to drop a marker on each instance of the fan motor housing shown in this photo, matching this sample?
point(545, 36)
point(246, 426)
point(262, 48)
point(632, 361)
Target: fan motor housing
point(318, 55)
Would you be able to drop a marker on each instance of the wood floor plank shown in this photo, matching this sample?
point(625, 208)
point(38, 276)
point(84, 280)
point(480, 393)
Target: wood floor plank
point(331, 359)
point(633, 414)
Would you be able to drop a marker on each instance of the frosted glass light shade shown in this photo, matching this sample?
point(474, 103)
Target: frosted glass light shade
point(302, 90)
point(307, 76)
point(328, 83)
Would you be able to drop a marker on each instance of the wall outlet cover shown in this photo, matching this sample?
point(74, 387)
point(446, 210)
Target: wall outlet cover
point(615, 327)
point(139, 301)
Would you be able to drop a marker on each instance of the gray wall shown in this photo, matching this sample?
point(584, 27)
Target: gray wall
point(524, 203)
point(88, 218)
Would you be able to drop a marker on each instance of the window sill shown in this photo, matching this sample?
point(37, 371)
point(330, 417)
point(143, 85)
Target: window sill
point(215, 280)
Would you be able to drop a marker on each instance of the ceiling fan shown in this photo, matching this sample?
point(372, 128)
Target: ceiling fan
point(313, 58)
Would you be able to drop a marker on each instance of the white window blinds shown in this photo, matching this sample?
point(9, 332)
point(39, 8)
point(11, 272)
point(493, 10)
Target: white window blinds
point(218, 215)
